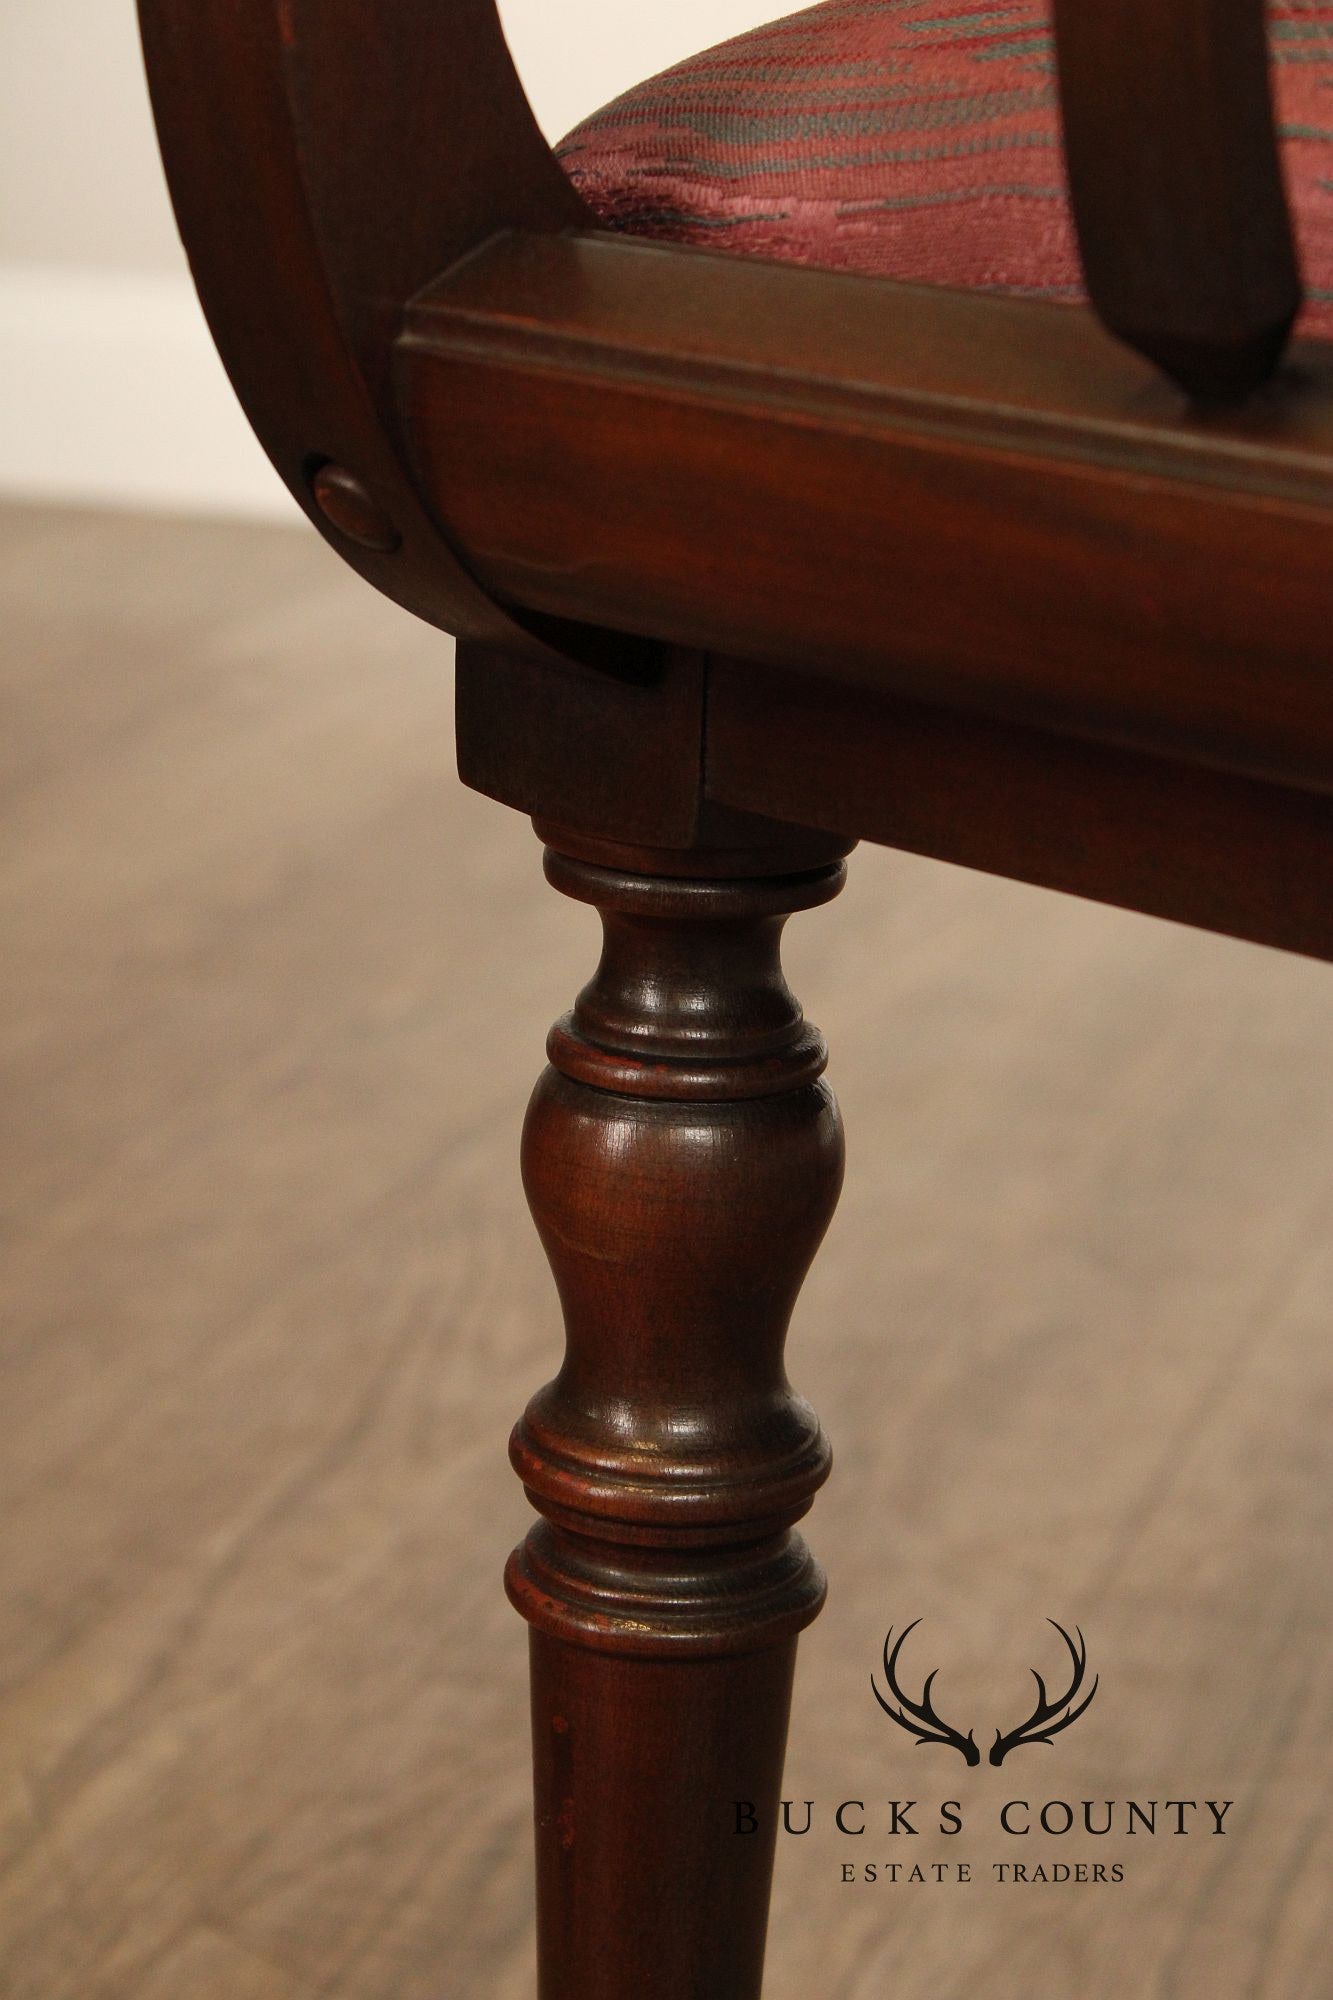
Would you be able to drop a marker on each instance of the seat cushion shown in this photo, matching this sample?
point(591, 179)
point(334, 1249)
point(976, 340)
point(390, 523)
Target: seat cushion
point(911, 139)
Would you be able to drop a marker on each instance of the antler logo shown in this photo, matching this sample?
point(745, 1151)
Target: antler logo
point(1047, 1719)
point(919, 1718)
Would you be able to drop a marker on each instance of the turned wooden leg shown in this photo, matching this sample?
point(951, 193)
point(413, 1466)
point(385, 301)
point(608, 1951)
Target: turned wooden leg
point(682, 1159)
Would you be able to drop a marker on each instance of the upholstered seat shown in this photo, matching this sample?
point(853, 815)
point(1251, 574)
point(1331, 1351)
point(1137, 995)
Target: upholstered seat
point(913, 139)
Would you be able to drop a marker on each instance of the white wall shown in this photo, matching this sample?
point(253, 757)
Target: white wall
point(109, 390)
point(79, 179)
point(576, 54)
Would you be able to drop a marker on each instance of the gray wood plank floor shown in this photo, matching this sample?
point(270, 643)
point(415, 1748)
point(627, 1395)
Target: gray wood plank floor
point(274, 989)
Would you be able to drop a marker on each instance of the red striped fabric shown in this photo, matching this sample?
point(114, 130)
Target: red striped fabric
point(914, 139)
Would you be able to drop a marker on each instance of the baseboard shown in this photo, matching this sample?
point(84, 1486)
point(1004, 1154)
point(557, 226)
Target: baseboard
point(111, 394)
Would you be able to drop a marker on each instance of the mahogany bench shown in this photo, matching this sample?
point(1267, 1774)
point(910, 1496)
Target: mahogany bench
point(755, 545)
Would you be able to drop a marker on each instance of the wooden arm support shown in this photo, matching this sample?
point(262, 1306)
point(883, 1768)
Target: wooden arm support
point(1177, 184)
point(326, 159)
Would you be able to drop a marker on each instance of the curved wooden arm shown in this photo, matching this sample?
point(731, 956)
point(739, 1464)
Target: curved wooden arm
point(326, 159)
point(1177, 184)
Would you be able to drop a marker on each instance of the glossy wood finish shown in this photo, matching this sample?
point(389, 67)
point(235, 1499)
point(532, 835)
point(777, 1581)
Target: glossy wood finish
point(682, 1159)
point(326, 158)
point(616, 753)
point(1177, 185)
point(979, 501)
point(1172, 838)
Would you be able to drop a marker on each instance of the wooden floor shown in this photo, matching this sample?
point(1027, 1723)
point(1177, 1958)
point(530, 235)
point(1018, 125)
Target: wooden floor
point(274, 991)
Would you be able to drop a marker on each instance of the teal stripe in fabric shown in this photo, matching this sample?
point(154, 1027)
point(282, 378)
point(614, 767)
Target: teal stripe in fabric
point(737, 170)
point(1036, 45)
point(968, 24)
point(945, 113)
point(1001, 191)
